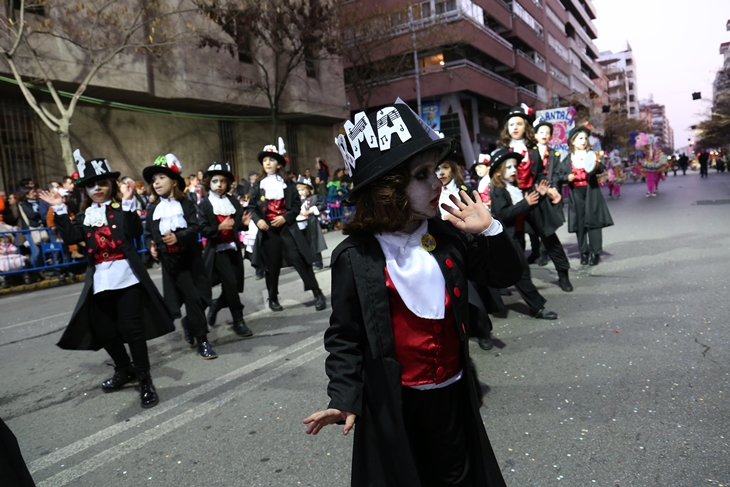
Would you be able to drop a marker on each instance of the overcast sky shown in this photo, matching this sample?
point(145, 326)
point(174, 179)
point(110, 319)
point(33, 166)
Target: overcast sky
point(676, 49)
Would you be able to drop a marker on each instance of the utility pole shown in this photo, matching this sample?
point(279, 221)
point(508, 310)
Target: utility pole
point(415, 58)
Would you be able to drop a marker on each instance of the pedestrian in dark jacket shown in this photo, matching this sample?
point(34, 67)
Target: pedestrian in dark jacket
point(398, 362)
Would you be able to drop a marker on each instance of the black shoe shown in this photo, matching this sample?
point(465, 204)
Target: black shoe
point(206, 351)
point(122, 375)
point(320, 303)
point(212, 314)
point(274, 305)
point(542, 261)
point(486, 343)
point(317, 267)
point(532, 258)
point(147, 394)
point(505, 292)
point(542, 314)
point(186, 332)
point(583, 259)
point(259, 274)
point(595, 259)
point(564, 282)
point(240, 328)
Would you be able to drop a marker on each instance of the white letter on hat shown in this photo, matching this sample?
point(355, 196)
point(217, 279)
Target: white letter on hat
point(385, 132)
point(100, 166)
point(349, 160)
point(359, 131)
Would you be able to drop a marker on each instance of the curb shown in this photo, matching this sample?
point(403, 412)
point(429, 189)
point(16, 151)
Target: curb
point(45, 284)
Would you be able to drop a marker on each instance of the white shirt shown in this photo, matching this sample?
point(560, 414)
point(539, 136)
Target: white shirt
point(578, 159)
point(222, 206)
point(272, 187)
point(515, 193)
point(446, 191)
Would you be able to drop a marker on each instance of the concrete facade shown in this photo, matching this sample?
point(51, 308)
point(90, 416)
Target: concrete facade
point(656, 116)
point(623, 90)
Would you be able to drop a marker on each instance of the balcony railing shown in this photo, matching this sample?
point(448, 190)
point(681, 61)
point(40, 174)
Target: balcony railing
point(521, 89)
point(532, 59)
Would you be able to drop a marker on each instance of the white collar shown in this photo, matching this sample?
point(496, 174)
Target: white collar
point(515, 193)
point(578, 158)
point(221, 204)
point(169, 212)
point(95, 214)
point(273, 187)
point(414, 271)
point(543, 149)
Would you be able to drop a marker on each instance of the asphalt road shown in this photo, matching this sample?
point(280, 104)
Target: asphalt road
point(629, 387)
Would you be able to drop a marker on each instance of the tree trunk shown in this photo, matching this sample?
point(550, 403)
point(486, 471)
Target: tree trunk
point(274, 126)
point(66, 150)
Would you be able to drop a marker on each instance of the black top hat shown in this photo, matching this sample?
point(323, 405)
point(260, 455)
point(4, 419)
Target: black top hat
point(499, 156)
point(168, 165)
point(482, 159)
point(542, 123)
point(305, 181)
point(271, 151)
point(521, 111)
point(379, 142)
point(93, 170)
point(580, 128)
point(222, 168)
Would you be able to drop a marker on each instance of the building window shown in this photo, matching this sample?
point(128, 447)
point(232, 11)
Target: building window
point(443, 6)
point(631, 98)
point(34, 8)
point(555, 19)
point(227, 136)
point(559, 75)
point(432, 62)
point(556, 46)
point(631, 86)
point(519, 11)
point(632, 110)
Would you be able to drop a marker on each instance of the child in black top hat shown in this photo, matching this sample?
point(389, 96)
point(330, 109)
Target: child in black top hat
point(398, 338)
point(550, 161)
point(221, 219)
point(518, 136)
point(511, 206)
point(275, 205)
point(308, 219)
point(119, 302)
point(172, 238)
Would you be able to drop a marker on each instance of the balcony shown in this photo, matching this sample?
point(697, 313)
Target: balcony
point(527, 34)
point(529, 98)
point(578, 26)
point(580, 82)
point(580, 51)
point(526, 66)
point(482, 38)
point(497, 9)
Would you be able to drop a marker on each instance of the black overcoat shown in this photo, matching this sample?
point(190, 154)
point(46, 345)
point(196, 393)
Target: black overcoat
point(209, 229)
point(505, 211)
point(125, 227)
point(595, 208)
point(315, 238)
point(365, 377)
point(189, 260)
point(293, 206)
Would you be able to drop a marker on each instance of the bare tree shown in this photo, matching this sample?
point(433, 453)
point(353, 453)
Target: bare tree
point(276, 36)
point(94, 32)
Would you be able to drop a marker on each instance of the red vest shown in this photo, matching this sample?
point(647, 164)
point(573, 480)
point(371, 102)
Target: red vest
point(525, 179)
point(226, 236)
point(107, 249)
point(581, 177)
point(274, 208)
point(429, 351)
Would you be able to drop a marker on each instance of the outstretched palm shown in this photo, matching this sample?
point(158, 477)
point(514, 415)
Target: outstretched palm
point(52, 199)
point(472, 216)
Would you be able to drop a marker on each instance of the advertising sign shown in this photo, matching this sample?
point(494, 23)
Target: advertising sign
point(563, 120)
point(430, 113)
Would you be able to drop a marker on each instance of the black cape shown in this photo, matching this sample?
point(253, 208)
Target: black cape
point(365, 377)
point(188, 260)
point(595, 208)
point(125, 228)
point(315, 238)
point(209, 229)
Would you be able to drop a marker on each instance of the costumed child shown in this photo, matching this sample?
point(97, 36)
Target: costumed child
point(650, 161)
point(518, 136)
point(308, 219)
point(550, 160)
point(275, 206)
point(119, 302)
point(587, 209)
point(10, 257)
point(481, 168)
point(615, 174)
point(171, 236)
point(452, 182)
point(221, 219)
point(398, 345)
point(511, 206)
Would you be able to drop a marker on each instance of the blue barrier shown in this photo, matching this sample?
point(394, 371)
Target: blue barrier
point(336, 212)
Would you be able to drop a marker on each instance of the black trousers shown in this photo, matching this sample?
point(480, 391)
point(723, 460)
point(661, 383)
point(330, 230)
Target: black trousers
point(118, 319)
point(194, 305)
point(436, 427)
point(590, 240)
point(478, 316)
point(225, 267)
point(276, 241)
point(553, 246)
point(529, 293)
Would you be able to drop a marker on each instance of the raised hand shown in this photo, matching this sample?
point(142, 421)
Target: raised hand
point(532, 198)
point(542, 187)
point(52, 199)
point(226, 224)
point(127, 191)
point(554, 195)
point(320, 419)
point(471, 217)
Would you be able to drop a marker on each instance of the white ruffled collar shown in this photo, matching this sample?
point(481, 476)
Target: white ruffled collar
point(515, 193)
point(95, 214)
point(221, 204)
point(578, 158)
point(414, 271)
point(170, 213)
point(273, 187)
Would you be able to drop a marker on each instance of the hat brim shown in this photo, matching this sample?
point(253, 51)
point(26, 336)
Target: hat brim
point(279, 158)
point(98, 177)
point(544, 124)
point(498, 161)
point(576, 130)
point(523, 116)
point(447, 146)
point(227, 174)
point(150, 171)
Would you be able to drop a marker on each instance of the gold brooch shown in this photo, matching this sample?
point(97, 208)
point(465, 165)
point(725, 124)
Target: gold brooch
point(263, 198)
point(115, 205)
point(428, 242)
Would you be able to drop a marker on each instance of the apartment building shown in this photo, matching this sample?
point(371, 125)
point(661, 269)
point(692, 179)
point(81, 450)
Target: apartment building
point(198, 102)
point(655, 115)
point(485, 56)
point(721, 84)
point(623, 91)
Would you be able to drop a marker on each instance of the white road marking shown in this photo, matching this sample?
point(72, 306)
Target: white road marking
point(163, 407)
point(36, 320)
point(111, 454)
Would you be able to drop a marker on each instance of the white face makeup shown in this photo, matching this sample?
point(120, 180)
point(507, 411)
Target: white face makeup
point(516, 127)
point(481, 170)
point(163, 184)
point(424, 188)
point(444, 173)
point(581, 141)
point(100, 191)
point(270, 164)
point(510, 170)
point(543, 135)
point(219, 184)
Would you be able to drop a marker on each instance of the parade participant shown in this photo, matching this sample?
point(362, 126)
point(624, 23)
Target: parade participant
point(221, 219)
point(518, 136)
point(308, 219)
point(119, 302)
point(550, 159)
point(651, 161)
point(615, 174)
point(481, 169)
point(398, 338)
point(587, 210)
point(275, 206)
point(511, 206)
point(171, 235)
point(452, 182)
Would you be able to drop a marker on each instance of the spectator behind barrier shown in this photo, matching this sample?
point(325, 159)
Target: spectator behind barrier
point(29, 206)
